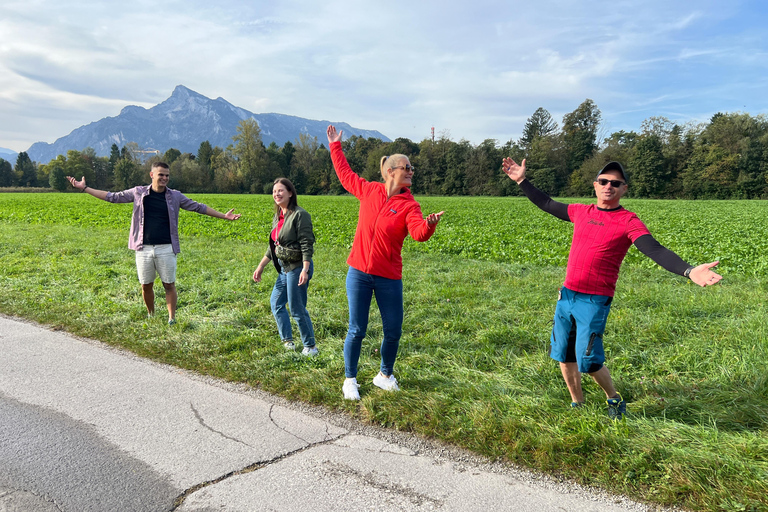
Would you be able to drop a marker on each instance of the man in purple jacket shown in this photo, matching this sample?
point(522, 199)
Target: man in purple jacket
point(155, 230)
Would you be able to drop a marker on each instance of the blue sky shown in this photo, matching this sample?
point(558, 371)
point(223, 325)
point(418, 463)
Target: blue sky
point(472, 70)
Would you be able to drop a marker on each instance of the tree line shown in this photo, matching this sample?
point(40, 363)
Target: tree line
point(725, 158)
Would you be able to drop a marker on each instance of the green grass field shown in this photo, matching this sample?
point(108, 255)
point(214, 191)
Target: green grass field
point(473, 364)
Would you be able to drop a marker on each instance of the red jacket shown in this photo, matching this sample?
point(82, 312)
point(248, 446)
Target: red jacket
point(382, 224)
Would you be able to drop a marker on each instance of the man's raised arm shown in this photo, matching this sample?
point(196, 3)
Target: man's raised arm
point(80, 185)
point(516, 173)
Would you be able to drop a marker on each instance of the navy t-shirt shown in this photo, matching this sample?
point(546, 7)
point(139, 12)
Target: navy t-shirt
point(157, 224)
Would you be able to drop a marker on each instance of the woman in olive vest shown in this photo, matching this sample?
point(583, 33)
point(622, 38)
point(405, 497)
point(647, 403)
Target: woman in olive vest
point(291, 245)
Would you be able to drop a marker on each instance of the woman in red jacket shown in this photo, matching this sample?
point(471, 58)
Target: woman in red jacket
point(388, 213)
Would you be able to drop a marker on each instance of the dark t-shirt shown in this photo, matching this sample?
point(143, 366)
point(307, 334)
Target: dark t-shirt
point(157, 223)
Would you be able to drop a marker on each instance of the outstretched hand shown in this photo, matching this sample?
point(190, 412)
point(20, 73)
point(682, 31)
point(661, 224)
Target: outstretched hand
point(434, 218)
point(333, 135)
point(77, 184)
point(232, 216)
point(703, 275)
point(513, 170)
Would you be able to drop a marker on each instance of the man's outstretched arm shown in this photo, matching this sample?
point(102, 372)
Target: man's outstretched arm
point(230, 215)
point(702, 275)
point(80, 185)
point(516, 173)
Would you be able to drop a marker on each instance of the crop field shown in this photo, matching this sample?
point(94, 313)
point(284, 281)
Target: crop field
point(473, 363)
point(506, 230)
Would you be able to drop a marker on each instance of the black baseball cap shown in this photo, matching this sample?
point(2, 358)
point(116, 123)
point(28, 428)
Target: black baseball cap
point(613, 166)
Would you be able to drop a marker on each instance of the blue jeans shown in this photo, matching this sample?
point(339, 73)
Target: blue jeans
point(389, 297)
point(287, 291)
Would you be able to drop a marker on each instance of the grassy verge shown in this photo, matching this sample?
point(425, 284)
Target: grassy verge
point(473, 363)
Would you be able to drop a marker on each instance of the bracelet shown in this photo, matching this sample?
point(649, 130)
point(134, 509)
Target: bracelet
point(85, 187)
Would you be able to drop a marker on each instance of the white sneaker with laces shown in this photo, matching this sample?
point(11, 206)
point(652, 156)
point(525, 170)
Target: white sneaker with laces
point(386, 383)
point(350, 389)
point(309, 351)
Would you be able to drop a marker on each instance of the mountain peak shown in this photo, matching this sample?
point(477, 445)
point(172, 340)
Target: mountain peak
point(185, 92)
point(182, 122)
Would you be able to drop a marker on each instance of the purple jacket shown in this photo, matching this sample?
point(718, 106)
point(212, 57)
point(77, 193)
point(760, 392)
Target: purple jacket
point(173, 198)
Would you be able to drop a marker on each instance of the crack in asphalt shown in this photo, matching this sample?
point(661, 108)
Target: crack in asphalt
point(327, 437)
point(256, 465)
point(369, 478)
point(222, 434)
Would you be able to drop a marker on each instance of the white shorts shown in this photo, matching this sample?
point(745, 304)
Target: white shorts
point(156, 259)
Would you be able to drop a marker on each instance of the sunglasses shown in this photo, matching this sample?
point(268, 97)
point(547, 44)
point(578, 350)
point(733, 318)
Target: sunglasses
point(614, 183)
point(406, 167)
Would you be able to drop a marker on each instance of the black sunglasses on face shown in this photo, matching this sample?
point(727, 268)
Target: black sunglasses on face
point(614, 183)
point(406, 167)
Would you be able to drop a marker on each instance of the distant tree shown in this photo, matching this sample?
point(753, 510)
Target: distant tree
point(323, 178)
point(204, 155)
point(358, 153)
point(57, 177)
point(77, 165)
point(188, 175)
point(288, 150)
point(545, 163)
point(482, 167)
point(251, 156)
point(458, 154)
point(650, 173)
point(752, 166)
point(102, 175)
point(303, 161)
point(126, 174)
point(7, 177)
point(710, 173)
point(540, 124)
point(403, 146)
point(114, 156)
point(580, 133)
point(226, 170)
point(171, 155)
point(514, 150)
point(659, 126)
point(431, 166)
point(275, 163)
point(26, 170)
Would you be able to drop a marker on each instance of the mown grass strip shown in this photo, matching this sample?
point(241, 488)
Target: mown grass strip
point(473, 363)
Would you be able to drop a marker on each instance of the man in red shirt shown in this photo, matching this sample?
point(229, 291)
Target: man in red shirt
point(602, 235)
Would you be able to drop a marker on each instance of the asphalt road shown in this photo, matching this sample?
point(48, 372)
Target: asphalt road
point(85, 427)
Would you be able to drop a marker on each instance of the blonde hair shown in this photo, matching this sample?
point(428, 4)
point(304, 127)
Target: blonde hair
point(390, 162)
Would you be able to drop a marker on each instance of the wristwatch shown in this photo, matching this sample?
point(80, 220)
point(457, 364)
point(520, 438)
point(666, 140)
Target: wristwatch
point(687, 272)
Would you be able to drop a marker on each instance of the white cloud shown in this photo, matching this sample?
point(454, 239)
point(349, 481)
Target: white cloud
point(475, 69)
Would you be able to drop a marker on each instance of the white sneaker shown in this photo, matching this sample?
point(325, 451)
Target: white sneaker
point(309, 351)
point(288, 344)
point(350, 389)
point(386, 383)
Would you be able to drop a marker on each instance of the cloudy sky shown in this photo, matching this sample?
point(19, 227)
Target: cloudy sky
point(472, 69)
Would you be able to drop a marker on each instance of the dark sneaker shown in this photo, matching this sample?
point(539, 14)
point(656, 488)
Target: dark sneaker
point(172, 321)
point(576, 405)
point(617, 408)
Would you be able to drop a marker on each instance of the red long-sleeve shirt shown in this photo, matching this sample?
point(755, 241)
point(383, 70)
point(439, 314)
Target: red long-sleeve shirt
point(382, 224)
point(601, 239)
